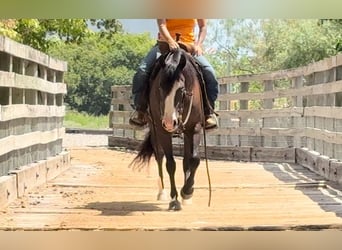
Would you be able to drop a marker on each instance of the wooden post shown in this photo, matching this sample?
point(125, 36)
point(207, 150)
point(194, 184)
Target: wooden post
point(223, 106)
point(297, 101)
point(267, 104)
point(244, 89)
point(243, 140)
point(297, 83)
point(268, 86)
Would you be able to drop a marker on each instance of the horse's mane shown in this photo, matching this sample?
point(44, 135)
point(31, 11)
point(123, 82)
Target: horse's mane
point(171, 65)
point(172, 62)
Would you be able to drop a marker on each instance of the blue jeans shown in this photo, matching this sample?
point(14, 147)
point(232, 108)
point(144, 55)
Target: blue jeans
point(145, 68)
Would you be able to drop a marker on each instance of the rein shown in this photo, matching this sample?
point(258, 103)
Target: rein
point(206, 158)
point(183, 123)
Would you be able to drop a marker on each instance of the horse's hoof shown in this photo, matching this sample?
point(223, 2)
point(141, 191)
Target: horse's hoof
point(175, 205)
point(186, 196)
point(162, 196)
point(187, 201)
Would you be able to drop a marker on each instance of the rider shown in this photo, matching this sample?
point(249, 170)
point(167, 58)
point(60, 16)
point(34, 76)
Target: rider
point(168, 28)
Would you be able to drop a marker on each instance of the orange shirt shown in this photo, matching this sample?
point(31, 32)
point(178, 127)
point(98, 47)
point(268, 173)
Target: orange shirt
point(185, 27)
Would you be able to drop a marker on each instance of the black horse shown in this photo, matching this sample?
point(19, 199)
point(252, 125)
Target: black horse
point(175, 106)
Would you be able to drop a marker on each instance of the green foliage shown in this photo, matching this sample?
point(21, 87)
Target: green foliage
point(43, 33)
point(293, 43)
point(97, 63)
point(7, 28)
point(107, 27)
point(98, 53)
point(251, 46)
point(73, 119)
point(335, 24)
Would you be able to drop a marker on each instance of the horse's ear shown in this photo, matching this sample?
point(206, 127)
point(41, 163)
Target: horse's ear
point(182, 62)
point(160, 63)
point(162, 60)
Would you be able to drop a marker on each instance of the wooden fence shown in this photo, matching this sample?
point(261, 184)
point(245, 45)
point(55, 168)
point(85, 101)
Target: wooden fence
point(290, 115)
point(31, 117)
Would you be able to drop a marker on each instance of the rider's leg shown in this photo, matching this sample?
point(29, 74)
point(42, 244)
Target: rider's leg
point(140, 82)
point(211, 87)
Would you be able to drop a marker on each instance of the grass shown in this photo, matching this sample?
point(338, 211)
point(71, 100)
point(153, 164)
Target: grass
point(74, 119)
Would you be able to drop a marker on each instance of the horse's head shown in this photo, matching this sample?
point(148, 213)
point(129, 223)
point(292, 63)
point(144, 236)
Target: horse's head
point(172, 89)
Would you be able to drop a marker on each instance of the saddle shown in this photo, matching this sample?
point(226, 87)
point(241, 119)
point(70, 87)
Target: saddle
point(164, 47)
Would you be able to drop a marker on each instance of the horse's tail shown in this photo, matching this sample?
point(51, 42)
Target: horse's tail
point(145, 153)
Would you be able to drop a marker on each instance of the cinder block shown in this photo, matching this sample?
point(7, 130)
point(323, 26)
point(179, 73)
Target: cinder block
point(57, 164)
point(228, 153)
point(323, 163)
point(307, 158)
point(30, 176)
point(335, 171)
point(53, 167)
point(271, 154)
point(66, 160)
point(8, 189)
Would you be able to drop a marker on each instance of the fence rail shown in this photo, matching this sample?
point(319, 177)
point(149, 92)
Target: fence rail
point(31, 117)
point(276, 116)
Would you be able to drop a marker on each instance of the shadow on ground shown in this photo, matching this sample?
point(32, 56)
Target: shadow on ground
point(326, 194)
point(122, 208)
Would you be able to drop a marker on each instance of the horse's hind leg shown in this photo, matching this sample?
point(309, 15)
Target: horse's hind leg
point(191, 161)
point(159, 155)
point(161, 193)
point(162, 196)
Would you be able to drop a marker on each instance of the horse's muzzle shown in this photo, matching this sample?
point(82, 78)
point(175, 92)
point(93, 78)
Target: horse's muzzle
point(170, 125)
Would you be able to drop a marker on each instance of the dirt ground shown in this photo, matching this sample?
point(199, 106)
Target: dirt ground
point(100, 192)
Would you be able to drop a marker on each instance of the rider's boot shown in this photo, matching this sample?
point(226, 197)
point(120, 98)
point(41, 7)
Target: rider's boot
point(210, 119)
point(211, 90)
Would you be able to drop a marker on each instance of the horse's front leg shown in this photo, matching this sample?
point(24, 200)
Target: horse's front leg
point(171, 169)
point(165, 142)
point(191, 161)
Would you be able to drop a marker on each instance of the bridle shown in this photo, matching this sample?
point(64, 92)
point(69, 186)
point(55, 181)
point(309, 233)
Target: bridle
point(179, 107)
point(181, 122)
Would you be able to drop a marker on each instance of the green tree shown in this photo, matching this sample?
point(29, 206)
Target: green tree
point(98, 53)
point(7, 28)
point(337, 25)
point(107, 27)
point(293, 43)
point(251, 46)
point(43, 33)
point(263, 45)
point(97, 63)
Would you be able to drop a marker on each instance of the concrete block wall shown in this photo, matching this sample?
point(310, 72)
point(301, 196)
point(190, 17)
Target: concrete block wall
point(31, 118)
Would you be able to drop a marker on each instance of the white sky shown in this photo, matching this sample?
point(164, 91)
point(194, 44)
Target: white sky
point(140, 26)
